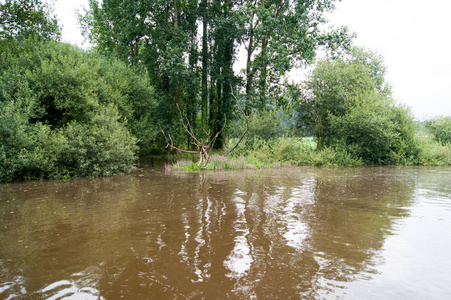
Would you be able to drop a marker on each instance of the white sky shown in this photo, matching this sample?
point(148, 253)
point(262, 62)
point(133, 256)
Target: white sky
point(412, 36)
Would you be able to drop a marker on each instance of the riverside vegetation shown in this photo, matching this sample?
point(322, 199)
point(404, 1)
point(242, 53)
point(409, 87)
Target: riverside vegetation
point(67, 112)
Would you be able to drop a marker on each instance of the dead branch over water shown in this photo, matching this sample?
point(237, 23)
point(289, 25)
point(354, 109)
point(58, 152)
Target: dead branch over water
point(205, 146)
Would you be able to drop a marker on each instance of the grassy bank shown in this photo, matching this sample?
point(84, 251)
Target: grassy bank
point(274, 153)
point(279, 152)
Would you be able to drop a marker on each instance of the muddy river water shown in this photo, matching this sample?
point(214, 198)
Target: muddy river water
point(288, 233)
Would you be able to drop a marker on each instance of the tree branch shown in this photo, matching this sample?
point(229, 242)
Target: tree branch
point(188, 128)
point(171, 144)
point(213, 141)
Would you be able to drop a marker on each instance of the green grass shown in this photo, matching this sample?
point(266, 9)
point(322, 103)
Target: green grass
point(219, 162)
point(274, 153)
point(284, 151)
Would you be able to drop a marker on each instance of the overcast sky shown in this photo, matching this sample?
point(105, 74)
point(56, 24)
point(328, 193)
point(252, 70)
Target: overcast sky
point(412, 35)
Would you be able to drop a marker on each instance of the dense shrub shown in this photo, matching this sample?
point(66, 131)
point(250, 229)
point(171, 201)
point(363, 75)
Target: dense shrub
point(63, 113)
point(433, 153)
point(296, 151)
point(440, 128)
point(349, 108)
point(26, 150)
point(376, 131)
point(326, 93)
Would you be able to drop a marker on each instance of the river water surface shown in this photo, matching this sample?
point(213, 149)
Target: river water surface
point(289, 233)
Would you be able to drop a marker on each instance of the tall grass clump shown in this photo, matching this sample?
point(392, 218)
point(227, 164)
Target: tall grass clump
point(329, 157)
point(219, 162)
point(296, 151)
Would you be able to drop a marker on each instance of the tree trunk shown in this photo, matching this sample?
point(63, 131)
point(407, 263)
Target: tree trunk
point(204, 66)
point(176, 18)
point(263, 74)
point(249, 71)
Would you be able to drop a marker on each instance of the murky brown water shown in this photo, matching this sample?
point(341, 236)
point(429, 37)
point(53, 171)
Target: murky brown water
point(296, 233)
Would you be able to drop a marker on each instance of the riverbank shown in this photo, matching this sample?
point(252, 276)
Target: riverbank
point(279, 152)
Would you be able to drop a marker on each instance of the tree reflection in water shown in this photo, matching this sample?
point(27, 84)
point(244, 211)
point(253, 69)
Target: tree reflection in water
point(280, 233)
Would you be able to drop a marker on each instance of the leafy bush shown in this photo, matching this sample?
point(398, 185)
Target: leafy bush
point(326, 93)
point(440, 128)
point(59, 116)
point(330, 157)
point(101, 148)
point(296, 151)
point(349, 108)
point(26, 150)
point(434, 153)
point(376, 131)
point(135, 98)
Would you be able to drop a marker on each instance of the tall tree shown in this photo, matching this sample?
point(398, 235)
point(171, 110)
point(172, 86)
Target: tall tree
point(190, 46)
point(224, 32)
point(22, 19)
point(159, 34)
point(203, 11)
point(117, 27)
point(280, 34)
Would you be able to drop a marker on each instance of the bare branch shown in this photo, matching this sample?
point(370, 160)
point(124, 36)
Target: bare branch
point(207, 133)
point(213, 141)
point(188, 128)
point(205, 147)
point(171, 144)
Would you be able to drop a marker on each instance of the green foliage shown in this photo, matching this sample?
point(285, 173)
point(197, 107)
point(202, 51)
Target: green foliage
point(130, 89)
point(64, 112)
point(68, 82)
point(218, 162)
point(295, 151)
point(330, 157)
point(376, 131)
point(157, 36)
point(278, 35)
point(102, 147)
point(162, 36)
point(349, 108)
point(23, 147)
point(433, 153)
point(265, 125)
point(24, 19)
point(375, 64)
point(270, 153)
point(326, 93)
point(440, 128)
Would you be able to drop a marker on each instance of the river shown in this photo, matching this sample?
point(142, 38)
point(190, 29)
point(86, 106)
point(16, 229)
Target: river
point(288, 233)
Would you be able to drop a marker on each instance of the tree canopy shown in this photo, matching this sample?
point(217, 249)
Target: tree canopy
point(190, 48)
point(25, 18)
